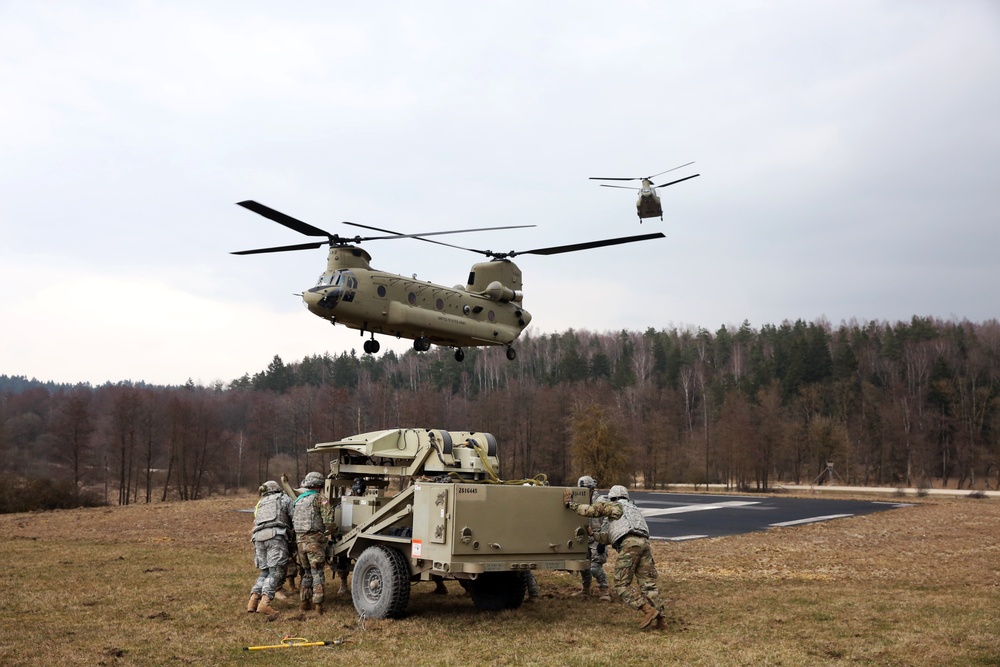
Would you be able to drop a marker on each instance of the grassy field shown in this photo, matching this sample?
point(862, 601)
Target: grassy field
point(167, 584)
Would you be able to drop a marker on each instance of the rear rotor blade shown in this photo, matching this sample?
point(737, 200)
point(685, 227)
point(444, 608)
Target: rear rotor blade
point(624, 187)
point(592, 244)
point(283, 219)
point(608, 178)
point(663, 185)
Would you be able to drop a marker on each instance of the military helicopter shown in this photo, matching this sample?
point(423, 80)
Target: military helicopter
point(648, 204)
point(486, 311)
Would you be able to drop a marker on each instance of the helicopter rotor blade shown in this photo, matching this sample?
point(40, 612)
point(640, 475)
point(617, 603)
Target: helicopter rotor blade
point(663, 185)
point(400, 235)
point(418, 238)
point(284, 248)
point(624, 187)
point(448, 245)
point(555, 250)
point(669, 170)
point(608, 178)
point(283, 219)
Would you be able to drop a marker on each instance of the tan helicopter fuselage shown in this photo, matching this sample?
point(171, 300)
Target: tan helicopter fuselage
point(486, 311)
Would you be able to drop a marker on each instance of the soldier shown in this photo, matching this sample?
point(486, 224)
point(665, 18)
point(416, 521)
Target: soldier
point(292, 570)
point(531, 586)
point(629, 534)
point(271, 531)
point(312, 519)
point(598, 552)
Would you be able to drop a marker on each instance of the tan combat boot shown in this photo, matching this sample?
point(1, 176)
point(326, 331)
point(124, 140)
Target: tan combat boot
point(584, 590)
point(265, 607)
point(605, 594)
point(252, 604)
point(343, 584)
point(305, 597)
point(649, 615)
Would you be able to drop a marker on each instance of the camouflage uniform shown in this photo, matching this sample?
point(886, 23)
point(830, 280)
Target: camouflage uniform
point(598, 552)
point(292, 569)
point(271, 532)
point(531, 585)
point(312, 518)
point(635, 559)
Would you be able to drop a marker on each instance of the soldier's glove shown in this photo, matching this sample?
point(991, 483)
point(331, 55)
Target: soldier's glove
point(567, 497)
point(602, 548)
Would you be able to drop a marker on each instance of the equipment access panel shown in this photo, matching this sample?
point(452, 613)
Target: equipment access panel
point(496, 527)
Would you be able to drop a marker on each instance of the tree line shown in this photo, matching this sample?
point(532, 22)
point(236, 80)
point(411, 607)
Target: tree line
point(905, 404)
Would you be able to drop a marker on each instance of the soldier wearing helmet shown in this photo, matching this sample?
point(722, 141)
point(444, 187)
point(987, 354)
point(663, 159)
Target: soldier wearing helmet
point(312, 518)
point(597, 551)
point(628, 533)
point(272, 528)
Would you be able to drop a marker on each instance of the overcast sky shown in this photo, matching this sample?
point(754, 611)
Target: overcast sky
point(849, 155)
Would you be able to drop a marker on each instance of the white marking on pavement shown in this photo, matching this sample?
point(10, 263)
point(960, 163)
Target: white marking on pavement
point(696, 508)
point(680, 538)
point(810, 520)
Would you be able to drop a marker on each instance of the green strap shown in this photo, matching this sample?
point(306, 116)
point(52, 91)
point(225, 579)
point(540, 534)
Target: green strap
point(305, 495)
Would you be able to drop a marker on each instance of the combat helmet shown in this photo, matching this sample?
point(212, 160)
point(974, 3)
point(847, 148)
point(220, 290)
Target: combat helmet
point(270, 486)
point(617, 492)
point(588, 482)
point(312, 480)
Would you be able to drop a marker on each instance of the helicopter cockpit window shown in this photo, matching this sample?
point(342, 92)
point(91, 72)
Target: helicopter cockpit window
point(338, 279)
point(381, 291)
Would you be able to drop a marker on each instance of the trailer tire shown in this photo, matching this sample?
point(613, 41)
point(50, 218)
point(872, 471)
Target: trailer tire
point(381, 583)
point(496, 591)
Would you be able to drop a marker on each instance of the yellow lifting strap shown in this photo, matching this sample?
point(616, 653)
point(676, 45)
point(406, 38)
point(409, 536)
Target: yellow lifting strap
point(294, 642)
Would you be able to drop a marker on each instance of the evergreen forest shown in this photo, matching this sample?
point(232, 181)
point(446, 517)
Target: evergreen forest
point(910, 404)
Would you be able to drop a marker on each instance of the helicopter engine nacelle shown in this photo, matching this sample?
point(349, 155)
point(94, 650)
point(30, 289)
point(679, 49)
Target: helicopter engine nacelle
point(497, 292)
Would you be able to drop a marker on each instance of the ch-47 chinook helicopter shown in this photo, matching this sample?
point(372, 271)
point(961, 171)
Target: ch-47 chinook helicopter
point(487, 311)
point(648, 204)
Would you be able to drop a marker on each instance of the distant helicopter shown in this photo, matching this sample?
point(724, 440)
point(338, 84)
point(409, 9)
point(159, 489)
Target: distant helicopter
point(648, 204)
point(485, 312)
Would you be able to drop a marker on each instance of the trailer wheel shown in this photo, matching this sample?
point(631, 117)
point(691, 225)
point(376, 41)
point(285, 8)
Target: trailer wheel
point(495, 591)
point(381, 583)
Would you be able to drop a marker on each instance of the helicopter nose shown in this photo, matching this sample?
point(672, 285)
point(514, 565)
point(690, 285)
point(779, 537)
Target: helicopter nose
point(310, 298)
point(321, 299)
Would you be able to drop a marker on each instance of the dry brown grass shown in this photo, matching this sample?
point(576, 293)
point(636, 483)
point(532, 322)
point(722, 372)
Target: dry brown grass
point(166, 585)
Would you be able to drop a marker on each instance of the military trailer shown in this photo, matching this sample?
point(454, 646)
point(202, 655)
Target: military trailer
point(451, 516)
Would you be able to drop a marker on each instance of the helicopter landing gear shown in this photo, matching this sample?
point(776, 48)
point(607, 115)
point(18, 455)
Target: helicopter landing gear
point(371, 346)
point(459, 354)
point(421, 344)
point(511, 354)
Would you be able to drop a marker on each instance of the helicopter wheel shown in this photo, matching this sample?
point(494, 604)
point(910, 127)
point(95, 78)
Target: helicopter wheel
point(421, 344)
point(511, 354)
point(459, 354)
point(372, 346)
